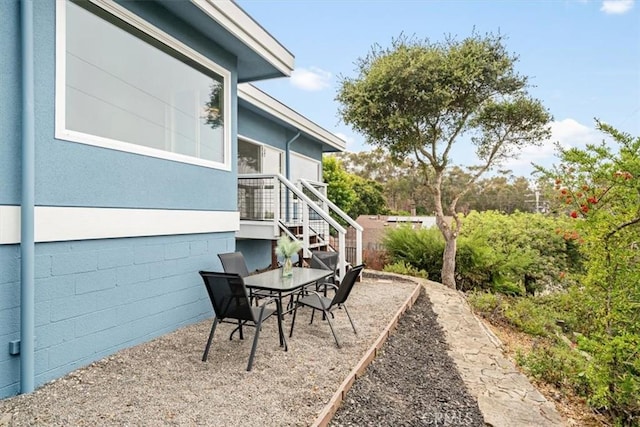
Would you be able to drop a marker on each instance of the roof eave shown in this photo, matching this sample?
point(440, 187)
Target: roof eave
point(244, 28)
point(275, 108)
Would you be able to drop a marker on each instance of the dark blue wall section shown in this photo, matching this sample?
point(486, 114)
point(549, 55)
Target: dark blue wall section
point(259, 128)
point(256, 252)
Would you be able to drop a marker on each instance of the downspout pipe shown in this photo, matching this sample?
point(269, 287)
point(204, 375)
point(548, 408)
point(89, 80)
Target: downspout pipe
point(287, 173)
point(27, 240)
point(288, 156)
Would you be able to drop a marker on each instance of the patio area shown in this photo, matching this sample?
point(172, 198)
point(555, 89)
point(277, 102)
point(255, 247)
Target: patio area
point(165, 382)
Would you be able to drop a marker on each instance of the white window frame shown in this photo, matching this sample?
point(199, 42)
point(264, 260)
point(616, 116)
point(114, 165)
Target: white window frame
point(61, 132)
point(307, 158)
point(264, 146)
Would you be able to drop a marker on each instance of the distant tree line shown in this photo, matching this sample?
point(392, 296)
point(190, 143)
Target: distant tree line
point(382, 185)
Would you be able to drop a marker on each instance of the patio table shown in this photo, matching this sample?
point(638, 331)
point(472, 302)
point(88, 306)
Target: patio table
point(273, 281)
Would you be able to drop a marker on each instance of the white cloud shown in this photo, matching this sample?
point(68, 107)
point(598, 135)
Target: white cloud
point(312, 79)
point(353, 144)
point(617, 7)
point(570, 133)
point(567, 132)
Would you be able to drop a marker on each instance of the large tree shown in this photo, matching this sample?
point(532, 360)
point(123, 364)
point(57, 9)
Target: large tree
point(417, 98)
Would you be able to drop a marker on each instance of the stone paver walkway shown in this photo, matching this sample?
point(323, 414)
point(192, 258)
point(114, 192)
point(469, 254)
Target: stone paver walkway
point(505, 396)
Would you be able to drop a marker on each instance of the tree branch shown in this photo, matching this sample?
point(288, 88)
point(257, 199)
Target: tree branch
point(621, 226)
point(455, 134)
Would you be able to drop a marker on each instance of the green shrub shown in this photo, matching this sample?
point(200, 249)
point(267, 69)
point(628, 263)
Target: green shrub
point(556, 364)
point(401, 267)
point(421, 249)
point(511, 254)
point(486, 304)
point(613, 375)
point(531, 317)
point(527, 314)
point(521, 252)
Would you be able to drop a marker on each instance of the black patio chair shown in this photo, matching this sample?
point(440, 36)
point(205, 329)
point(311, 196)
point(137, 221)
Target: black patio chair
point(231, 304)
point(234, 262)
point(327, 305)
point(325, 261)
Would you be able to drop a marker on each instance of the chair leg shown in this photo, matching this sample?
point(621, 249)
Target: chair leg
point(349, 316)
point(254, 346)
point(332, 331)
point(206, 349)
point(293, 319)
point(238, 328)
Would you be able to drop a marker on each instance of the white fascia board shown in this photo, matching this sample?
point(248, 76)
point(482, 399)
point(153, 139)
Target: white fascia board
point(244, 28)
point(277, 109)
point(9, 224)
point(60, 224)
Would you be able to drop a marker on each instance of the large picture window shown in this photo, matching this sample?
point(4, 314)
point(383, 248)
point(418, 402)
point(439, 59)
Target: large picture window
point(122, 88)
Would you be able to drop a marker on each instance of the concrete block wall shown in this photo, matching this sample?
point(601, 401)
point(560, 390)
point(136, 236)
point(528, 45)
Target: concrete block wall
point(98, 296)
point(9, 316)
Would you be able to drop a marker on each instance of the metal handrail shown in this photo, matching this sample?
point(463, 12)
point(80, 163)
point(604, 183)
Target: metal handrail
point(307, 202)
point(342, 214)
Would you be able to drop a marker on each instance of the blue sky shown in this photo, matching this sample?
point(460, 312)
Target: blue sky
point(582, 56)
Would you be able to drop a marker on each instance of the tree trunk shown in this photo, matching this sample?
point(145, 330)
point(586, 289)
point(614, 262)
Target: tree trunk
point(450, 235)
point(449, 262)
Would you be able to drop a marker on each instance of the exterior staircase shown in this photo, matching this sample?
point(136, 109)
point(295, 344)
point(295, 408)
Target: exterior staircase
point(270, 205)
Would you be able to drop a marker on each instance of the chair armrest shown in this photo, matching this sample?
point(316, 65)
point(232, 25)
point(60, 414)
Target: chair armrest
point(263, 307)
point(319, 299)
point(268, 301)
point(327, 285)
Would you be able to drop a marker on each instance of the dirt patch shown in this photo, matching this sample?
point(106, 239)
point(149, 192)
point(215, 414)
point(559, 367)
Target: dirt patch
point(413, 382)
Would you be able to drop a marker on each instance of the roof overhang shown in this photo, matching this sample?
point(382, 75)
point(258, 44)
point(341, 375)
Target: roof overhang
point(260, 55)
point(259, 102)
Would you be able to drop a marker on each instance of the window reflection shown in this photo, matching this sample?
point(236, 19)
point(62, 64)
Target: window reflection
point(123, 88)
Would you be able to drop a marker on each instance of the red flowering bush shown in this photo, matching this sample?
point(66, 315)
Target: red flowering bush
point(599, 188)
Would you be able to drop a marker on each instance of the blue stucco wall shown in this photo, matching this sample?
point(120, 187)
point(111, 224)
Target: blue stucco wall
point(257, 253)
point(9, 316)
point(10, 74)
point(96, 297)
point(259, 128)
point(255, 126)
point(307, 147)
point(72, 174)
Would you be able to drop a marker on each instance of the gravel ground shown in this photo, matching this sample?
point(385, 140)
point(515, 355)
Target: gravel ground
point(164, 382)
point(413, 382)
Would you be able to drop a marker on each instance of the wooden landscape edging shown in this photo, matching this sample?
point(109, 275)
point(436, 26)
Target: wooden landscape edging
point(334, 403)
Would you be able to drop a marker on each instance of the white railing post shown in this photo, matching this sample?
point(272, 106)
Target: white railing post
point(342, 261)
point(305, 229)
point(358, 246)
point(328, 203)
point(276, 206)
